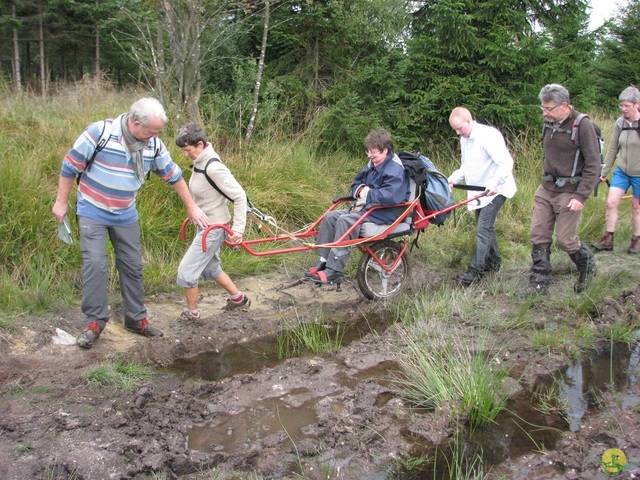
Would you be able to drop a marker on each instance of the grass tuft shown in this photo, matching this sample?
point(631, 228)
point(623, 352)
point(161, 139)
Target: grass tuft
point(441, 369)
point(117, 374)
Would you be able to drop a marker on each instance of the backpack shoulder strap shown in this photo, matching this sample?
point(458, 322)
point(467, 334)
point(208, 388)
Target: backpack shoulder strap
point(575, 126)
point(209, 179)
point(103, 139)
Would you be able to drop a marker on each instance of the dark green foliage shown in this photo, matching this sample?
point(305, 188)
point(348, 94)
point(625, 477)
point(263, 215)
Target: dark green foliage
point(493, 57)
point(620, 58)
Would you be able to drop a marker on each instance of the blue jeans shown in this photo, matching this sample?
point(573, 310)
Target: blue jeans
point(487, 254)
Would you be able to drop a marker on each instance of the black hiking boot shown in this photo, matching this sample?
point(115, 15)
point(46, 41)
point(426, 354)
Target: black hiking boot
point(586, 263)
point(467, 278)
point(533, 289)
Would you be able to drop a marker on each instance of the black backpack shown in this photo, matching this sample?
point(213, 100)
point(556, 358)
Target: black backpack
point(432, 186)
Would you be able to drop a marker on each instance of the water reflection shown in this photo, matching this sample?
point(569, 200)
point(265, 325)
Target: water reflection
point(604, 369)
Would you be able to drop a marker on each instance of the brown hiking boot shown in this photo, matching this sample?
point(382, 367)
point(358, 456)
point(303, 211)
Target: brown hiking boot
point(90, 335)
point(142, 327)
point(634, 249)
point(605, 243)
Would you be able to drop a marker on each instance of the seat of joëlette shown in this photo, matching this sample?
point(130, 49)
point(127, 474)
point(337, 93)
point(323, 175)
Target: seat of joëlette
point(370, 229)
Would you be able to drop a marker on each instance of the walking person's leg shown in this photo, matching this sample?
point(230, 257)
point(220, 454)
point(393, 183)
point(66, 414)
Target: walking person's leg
point(128, 254)
point(634, 247)
point(543, 222)
point(486, 252)
point(620, 183)
point(568, 241)
point(95, 301)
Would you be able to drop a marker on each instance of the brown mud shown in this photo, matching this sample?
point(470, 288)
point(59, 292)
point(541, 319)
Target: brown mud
point(315, 417)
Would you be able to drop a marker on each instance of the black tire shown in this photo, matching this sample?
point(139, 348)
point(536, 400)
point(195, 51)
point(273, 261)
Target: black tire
point(373, 281)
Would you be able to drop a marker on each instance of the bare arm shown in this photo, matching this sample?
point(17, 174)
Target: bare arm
point(61, 207)
point(195, 214)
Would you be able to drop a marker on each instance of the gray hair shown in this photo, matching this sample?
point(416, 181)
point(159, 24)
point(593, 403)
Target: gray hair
point(190, 134)
point(630, 94)
point(554, 92)
point(146, 109)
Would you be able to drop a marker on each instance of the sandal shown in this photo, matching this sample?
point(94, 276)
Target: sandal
point(320, 266)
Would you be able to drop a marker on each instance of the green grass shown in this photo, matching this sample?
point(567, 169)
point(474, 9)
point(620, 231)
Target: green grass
point(438, 368)
point(24, 448)
point(316, 336)
point(117, 374)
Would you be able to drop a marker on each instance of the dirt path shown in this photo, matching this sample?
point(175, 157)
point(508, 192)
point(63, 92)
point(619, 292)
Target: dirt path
point(330, 416)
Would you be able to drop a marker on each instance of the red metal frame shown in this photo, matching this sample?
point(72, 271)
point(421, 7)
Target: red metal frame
point(421, 221)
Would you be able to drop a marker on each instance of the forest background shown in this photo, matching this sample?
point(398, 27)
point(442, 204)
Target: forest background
point(287, 90)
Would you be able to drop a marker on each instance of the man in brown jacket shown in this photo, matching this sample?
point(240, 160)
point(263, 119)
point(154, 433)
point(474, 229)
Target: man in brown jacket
point(571, 172)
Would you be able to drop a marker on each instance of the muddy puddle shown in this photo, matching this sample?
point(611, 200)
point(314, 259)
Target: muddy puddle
point(267, 352)
point(535, 418)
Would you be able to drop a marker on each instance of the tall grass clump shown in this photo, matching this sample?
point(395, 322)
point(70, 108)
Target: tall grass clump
point(438, 369)
point(316, 337)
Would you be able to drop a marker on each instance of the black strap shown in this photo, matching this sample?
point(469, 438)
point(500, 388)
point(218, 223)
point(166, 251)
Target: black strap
point(209, 179)
point(250, 206)
point(473, 188)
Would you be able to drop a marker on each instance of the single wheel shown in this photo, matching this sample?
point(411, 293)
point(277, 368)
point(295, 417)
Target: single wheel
point(376, 283)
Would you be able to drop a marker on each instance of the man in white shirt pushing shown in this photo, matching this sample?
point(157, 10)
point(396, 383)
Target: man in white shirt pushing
point(486, 162)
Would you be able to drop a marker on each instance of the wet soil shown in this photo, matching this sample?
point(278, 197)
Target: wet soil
point(218, 401)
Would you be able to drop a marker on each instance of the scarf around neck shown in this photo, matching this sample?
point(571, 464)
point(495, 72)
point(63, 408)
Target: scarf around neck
point(135, 147)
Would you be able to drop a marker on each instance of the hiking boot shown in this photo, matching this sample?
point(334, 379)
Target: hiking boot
point(586, 263)
point(90, 335)
point(185, 318)
point(467, 278)
point(634, 249)
point(584, 278)
point(492, 268)
point(534, 289)
point(320, 266)
point(605, 243)
point(241, 305)
point(142, 327)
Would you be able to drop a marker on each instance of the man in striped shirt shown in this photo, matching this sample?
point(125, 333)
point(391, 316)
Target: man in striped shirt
point(109, 179)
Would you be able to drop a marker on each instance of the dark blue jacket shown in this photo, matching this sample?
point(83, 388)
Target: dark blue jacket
point(388, 184)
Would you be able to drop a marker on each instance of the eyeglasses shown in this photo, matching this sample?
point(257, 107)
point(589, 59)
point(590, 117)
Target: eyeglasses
point(626, 106)
point(547, 109)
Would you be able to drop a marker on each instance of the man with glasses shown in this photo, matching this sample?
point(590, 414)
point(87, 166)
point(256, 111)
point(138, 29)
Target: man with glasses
point(625, 146)
point(571, 172)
